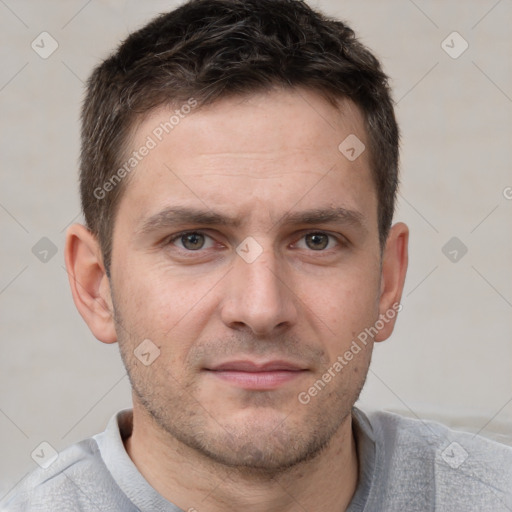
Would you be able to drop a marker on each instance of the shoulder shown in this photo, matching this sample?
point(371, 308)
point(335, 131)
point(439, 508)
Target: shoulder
point(77, 480)
point(455, 448)
point(452, 467)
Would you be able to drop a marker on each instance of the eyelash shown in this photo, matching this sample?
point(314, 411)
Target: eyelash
point(341, 242)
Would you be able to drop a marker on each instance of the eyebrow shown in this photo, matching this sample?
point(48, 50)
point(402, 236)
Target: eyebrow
point(337, 215)
point(176, 215)
point(183, 215)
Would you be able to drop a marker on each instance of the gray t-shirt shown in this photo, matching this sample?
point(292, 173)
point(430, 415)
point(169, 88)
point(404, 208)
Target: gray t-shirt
point(404, 465)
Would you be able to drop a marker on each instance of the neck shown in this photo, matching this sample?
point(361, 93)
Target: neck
point(193, 481)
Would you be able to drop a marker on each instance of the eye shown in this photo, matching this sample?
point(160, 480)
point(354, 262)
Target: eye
point(319, 241)
point(192, 241)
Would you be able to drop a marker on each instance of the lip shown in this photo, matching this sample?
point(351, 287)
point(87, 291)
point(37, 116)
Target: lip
point(253, 367)
point(257, 376)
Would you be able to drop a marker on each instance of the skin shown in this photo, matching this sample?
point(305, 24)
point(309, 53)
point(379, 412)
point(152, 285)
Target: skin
point(199, 440)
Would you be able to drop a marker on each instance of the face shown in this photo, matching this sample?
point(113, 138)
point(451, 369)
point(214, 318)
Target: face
point(246, 250)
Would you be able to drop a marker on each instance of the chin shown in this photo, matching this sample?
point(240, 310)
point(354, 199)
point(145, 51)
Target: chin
point(261, 441)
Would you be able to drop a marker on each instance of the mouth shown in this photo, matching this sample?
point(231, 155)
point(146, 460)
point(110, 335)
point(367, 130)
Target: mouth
point(255, 376)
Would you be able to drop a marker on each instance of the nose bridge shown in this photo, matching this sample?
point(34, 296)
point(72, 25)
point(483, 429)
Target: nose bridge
point(257, 296)
point(261, 279)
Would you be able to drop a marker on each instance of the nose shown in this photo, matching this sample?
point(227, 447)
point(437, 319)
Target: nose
point(258, 296)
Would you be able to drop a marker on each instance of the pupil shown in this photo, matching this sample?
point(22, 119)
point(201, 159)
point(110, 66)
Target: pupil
point(193, 241)
point(318, 241)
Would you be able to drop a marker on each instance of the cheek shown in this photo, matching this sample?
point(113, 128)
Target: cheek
point(168, 309)
point(341, 311)
point(345, 303)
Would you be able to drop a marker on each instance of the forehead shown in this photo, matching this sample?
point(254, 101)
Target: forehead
point(267, 152)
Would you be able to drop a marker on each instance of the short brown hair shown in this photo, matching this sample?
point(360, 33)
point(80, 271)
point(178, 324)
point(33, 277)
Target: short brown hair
point(211, 49)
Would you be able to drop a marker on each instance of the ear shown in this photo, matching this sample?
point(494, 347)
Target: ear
point(89, 282)
point(394, 268)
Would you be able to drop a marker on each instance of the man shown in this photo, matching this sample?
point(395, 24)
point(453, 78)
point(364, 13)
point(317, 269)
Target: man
point(238, 177)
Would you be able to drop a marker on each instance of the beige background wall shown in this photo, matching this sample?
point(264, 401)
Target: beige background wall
point(451, 354)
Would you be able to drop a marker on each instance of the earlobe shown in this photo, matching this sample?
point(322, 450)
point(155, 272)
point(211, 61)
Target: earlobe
point(89, 283)
point(394, 269)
